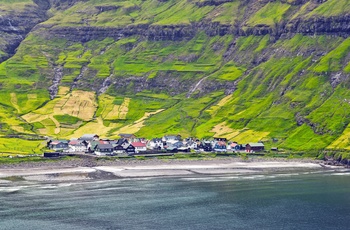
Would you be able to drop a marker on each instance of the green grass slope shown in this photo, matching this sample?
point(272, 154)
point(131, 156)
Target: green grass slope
point(289, 91)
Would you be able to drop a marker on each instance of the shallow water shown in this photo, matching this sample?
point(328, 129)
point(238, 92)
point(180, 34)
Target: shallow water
point(315, 200)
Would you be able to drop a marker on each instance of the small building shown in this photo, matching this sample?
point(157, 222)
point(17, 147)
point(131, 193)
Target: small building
point(206, 146)
point(58, 145)
point(77, 146)
point(119, 146)
point(51, 155)
point(192, 144)
point(122, 142)
point(156, 144)
point(89, 137)
point(118, 149)
point(104, 150)
point(180, 146)
point(234, 146)
point(130, 149)
point(172, 149)
point(220, 146)
point(128, 137)
point(171, 139)
point(220, 139)
point(139, 146)
point(275, 149)
point(256, 147)
point(92, 146)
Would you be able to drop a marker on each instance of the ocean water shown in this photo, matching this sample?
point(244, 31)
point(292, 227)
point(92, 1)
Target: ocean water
point(315, 200)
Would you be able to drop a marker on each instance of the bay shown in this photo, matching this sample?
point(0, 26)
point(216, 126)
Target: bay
point(304, 200)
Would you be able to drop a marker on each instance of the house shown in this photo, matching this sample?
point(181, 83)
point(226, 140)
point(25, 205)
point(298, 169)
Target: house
point(77, 146)
point(192, 144)
point(206, 146)
point(51, 155)
point(274, 149)
point(122, 142)
point(118, 149)
point(139, 146)
point(256, 147)
point(89, 137)
point(156, 144)
point(180, 146)
point(58, 145)
point(172, 149)
point(130, 149)
point(128, 137)
point(234, 146)
point(171, 139)
point(92, 146)
point(220, 139)
point(120, 145)
point(220, 146)
point(104, 150)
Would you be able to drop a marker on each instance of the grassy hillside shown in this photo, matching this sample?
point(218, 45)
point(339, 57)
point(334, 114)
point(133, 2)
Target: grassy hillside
point(196, 68)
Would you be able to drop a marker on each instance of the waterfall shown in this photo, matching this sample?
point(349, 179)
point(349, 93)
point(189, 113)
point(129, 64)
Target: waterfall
point(196, 87)
point(11, 26)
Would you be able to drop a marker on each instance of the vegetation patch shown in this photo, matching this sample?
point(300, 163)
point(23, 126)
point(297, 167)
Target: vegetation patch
point(20, 146)
point(270, 14)
point(66, 119)
point(332, 8)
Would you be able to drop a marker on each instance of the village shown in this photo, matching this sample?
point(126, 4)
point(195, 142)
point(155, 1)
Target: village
point(130, 145)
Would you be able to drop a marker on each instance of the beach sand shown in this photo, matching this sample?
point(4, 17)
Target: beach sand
point(80, 170)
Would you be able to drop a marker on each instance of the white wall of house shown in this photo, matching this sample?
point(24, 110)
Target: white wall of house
point(100, 153)
point(77, 148)
point(140, 149)
point(157, 144)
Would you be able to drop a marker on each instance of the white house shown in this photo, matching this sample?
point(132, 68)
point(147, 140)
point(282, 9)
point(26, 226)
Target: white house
point(155, 143)
point(191, 144)
point(89, 137)
point(77, 146)
point(139, 146)
point(170, 140)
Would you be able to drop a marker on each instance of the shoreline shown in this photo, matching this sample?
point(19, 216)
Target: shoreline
point(87, 170)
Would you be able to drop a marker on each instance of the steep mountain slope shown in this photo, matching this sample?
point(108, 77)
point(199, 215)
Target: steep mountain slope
point(276, 71)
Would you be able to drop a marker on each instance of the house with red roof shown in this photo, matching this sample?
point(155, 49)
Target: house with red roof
point(220, 146)
point(77, 146)
point(139, 146)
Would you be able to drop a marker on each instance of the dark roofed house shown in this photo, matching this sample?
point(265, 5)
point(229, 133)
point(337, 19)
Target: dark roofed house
point(205, 146)
point(128, 137)
point(120, 145)
point(104, 149)
point(51, 154)
point(118, 148)
point(180, 146)
point(171, 139)
point(130, 149)
point(89, 137)
point(274, 149)
point(92, 146)
point(220, 139)
point(58, 145)
point(256, 147)
point(155, 144)
point(122, 141)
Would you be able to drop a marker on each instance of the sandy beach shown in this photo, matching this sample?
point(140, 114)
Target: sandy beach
point(90, 170)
